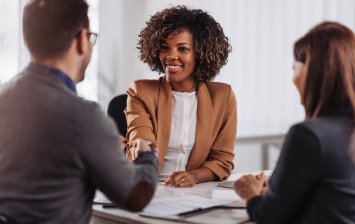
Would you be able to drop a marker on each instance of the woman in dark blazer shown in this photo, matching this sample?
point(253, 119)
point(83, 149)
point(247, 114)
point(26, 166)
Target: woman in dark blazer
point(192, 120)
point(314, 179)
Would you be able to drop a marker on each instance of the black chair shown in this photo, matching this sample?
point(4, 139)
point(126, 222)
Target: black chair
point(6, 220)
point(116, 109)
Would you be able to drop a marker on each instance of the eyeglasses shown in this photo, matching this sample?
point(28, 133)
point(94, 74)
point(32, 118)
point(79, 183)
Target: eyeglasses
point(92, 37)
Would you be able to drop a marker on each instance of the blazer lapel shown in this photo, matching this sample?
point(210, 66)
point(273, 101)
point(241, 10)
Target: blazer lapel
point(164, 113)
point(203, 128)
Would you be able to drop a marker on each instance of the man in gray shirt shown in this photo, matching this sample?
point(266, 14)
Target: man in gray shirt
point(55, 147)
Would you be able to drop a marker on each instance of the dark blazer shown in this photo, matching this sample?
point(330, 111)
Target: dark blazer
point(149, 111)
point(56, 149)
point(314, 180)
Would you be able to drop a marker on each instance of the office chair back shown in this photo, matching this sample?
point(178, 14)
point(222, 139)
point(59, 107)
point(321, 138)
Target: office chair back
point(116, 109)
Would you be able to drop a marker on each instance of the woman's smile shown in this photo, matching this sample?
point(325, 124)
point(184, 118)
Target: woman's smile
point(177, 55)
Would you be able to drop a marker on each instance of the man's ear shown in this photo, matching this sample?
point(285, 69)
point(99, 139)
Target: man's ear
point(81, 41)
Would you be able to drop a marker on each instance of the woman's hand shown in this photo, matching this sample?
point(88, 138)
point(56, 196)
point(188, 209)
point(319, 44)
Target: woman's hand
point(249, 186)
point(141, 145)
point(265, 187)
point(181, 179)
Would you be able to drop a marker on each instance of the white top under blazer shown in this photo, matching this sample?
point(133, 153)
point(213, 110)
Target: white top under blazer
point(182, 134)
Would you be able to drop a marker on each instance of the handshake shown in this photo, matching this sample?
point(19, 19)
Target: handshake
point(141, 145)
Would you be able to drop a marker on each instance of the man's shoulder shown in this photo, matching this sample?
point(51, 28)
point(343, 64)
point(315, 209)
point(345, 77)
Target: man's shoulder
point(91, 120)
point(85, 106)
point(12, 82)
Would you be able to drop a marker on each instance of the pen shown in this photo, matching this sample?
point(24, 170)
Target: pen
point(111, 205)
point(197, 210)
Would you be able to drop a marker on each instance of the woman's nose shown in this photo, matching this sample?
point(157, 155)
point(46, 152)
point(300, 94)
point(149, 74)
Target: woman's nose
point(171, 55)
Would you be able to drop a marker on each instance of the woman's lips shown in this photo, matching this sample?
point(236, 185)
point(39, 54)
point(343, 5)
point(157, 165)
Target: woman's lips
point(173, 68)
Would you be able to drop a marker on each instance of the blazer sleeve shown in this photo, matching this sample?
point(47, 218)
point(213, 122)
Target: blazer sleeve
point(292, 181)
point(139, 124)
point(221, 155)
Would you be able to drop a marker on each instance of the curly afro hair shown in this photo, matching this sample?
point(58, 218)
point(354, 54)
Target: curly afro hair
point(211, 45)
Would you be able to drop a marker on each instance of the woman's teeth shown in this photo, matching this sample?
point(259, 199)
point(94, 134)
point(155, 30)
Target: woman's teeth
point(173, 66)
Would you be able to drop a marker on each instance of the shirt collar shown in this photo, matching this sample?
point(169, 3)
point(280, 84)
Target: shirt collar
point(62, 76)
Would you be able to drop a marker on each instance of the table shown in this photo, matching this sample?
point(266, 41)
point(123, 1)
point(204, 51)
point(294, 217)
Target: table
point(210, 190)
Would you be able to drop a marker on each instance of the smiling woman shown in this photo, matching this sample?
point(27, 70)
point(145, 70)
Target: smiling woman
point(191, 119)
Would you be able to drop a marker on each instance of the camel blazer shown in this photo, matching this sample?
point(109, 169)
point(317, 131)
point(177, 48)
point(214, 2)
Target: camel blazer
point(149, 112)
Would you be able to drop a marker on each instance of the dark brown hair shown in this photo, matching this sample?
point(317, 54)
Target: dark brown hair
point(211, 45)
point(328, 51)
point(49, 26)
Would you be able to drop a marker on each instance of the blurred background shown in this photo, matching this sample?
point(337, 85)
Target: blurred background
point(259, 69)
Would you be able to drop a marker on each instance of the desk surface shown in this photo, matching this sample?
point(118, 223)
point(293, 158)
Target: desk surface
point(208, 190)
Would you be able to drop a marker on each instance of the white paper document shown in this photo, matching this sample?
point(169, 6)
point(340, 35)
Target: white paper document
point(176, 206)
point(225, 195)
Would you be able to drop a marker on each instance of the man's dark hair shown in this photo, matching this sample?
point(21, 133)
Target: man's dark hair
point(49, 26)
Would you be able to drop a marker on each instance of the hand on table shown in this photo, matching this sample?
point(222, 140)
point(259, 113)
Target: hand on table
point(265, 185)
point(249, 186)
point(181, 179)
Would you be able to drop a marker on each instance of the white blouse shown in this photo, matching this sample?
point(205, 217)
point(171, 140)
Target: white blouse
point(182, 134)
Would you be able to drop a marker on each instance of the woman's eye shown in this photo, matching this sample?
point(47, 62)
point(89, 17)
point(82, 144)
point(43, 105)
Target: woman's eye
point(183, 49)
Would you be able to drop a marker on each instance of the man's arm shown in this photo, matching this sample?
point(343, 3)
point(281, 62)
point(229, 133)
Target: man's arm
point(109, 169)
